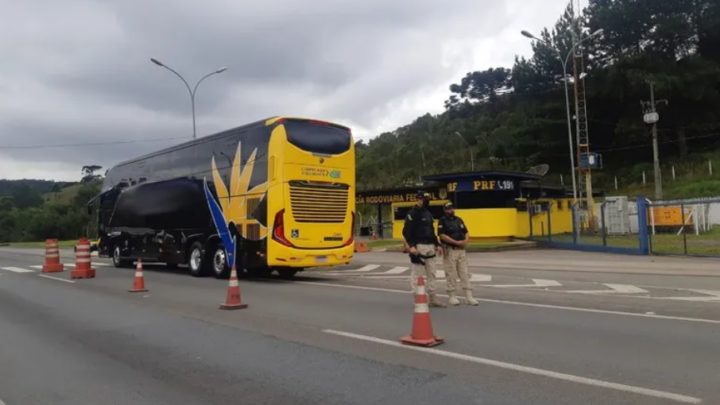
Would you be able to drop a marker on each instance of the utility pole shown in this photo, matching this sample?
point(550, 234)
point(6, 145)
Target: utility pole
point(584, 157)
point(651, 117)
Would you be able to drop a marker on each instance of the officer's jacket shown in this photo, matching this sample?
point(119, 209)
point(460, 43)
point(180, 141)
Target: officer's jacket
point(452, 226)
point(418, 227)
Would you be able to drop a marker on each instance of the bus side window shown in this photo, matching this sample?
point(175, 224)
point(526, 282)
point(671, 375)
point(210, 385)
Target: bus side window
point(252, 204)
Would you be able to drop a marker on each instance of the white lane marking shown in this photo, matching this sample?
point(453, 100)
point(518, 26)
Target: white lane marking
point(527, 369)
point(614, 289)
point(480, 278)
point(17, 269)
point(37, 266)
point(55, 278)
point(537, 282)
point(87, 261)
point(396, 270)
point(527, 304)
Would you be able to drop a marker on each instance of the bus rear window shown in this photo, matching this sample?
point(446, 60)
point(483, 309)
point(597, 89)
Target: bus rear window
point(318, 137)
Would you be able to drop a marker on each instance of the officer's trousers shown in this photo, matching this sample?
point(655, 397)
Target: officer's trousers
point(426, 270)
point(455, 263)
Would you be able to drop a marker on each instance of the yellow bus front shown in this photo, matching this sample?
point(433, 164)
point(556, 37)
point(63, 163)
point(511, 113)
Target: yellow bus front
point(311, 194)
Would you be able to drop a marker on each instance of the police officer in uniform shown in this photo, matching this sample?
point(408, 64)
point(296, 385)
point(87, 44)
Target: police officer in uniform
point(454, 237)
point(421, 242)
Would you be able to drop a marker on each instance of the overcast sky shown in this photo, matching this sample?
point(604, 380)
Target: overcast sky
point(78, 71)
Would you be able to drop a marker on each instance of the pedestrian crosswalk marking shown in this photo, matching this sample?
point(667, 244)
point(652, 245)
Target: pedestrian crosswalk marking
point(626, 288)
point(480, 278)
point(17, 269)
point(537, 282)
point(363, 269)
point(614, 289)
point(396, 270)
point(710, 295)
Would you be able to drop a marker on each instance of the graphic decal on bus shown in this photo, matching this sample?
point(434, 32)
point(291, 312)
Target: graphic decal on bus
point(221, 225)
point(239, 201)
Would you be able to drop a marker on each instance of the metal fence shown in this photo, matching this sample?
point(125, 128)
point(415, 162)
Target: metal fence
point(618, 225)
point(686, 227)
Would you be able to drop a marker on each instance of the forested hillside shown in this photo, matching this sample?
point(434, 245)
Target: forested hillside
point(33, 210)
point(514, 117)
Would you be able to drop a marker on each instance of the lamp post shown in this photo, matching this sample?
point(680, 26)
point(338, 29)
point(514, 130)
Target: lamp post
point(472, 162)
point(193, 90)
point(564, 62)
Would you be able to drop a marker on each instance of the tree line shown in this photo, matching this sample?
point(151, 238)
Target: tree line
point(32, 210)
point(514, 117)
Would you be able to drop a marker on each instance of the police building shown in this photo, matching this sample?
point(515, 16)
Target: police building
point(494, 204)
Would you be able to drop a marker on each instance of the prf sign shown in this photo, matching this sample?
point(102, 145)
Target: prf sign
point(481, 185)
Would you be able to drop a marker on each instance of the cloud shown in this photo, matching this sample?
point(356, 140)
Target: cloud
point(78, 71)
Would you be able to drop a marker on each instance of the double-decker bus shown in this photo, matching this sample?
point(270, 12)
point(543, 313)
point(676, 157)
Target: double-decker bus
point(285, 188)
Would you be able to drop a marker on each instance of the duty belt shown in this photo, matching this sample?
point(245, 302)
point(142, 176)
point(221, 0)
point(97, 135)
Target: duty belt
point(418, 258)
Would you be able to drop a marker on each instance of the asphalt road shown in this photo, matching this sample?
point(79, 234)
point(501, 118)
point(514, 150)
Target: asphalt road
point(547, 332)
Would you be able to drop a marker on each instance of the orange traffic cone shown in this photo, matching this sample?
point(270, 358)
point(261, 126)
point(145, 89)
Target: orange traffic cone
point(233, 300)
point(422, 332)
point(82, 260)
point(139, 282)
point(52, 257)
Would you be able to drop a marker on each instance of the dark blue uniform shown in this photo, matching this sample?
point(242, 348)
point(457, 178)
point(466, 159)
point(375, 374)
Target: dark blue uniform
point(418, 228)
point(452, 226)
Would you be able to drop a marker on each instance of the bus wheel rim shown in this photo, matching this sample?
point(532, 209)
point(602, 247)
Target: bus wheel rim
point(195, 259)
point(219, 261)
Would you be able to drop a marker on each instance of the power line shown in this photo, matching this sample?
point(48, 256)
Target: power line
point(646, 144)
point(73, 145)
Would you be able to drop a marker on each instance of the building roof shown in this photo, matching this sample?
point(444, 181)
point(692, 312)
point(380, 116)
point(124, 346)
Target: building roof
point(482, 173)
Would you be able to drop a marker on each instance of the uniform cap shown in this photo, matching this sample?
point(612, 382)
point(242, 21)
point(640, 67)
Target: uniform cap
point(422, 194)
point(448, 205)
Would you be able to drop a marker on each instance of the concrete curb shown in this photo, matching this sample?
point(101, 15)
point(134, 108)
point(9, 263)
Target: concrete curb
point(509, 246)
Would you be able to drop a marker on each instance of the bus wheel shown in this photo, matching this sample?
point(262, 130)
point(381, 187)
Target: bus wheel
point(219, 263)
point(117, 261)
point(287, 274)
point(196, 261)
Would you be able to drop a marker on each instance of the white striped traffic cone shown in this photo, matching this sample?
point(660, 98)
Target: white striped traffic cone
point(139, 282)
point(233, 300)
point(422, 332)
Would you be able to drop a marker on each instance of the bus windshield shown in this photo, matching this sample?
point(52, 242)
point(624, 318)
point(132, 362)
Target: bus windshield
point(318, 137)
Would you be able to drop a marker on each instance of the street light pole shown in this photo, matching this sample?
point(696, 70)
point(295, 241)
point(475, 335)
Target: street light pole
point(564, 62)
point(191, 91)
point(472, 163)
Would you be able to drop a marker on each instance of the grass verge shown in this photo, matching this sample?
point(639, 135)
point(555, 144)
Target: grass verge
point(41, 244)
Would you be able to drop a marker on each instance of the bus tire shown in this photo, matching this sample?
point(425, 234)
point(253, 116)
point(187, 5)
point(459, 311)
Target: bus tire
point(218, 262)
point(117, 260)
point(196, 260)
point(287, 274)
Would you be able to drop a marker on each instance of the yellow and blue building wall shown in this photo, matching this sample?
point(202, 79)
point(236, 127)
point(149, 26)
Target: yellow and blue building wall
point(505, 223)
